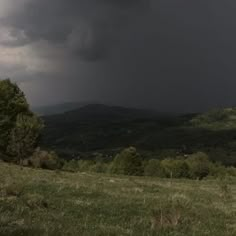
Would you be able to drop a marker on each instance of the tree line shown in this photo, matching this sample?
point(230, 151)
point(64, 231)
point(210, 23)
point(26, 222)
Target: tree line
point(130, 162)
point(20, 131)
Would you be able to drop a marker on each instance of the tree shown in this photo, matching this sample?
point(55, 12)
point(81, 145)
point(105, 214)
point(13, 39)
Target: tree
point(19, 127)
point(199, 165)
point(24, 137)
point(128, 162)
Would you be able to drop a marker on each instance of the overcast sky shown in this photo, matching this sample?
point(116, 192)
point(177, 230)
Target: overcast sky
point(170, 55)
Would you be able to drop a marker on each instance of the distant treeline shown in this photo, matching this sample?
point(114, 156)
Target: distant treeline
point(129, 162)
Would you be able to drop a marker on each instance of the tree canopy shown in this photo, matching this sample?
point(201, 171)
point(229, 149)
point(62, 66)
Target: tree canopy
point(19, 126)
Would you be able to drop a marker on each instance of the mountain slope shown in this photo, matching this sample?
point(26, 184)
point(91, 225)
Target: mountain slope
point(58, 108)
point(99, 126)
point(107, 129)
point(217, 119)
point(100, 112)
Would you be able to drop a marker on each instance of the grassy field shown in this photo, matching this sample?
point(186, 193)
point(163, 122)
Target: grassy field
point(39, 202)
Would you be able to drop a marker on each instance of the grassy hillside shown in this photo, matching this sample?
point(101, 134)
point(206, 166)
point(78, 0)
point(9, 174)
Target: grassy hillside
point(107, 129)
point(217, 119)
point(39, 202)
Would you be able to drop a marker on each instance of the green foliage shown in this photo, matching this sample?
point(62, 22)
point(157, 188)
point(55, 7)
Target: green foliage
point(85, 165)
point(128, 162)
point(12, 103)
point(218, 170)
point(71, 166)
point(24, 137)
point(216, 119)
point(199, 165)
point(175, 168)
point(99, 167)
point(45, 160)
point(19, 127)
point(196, 166)
point(154, 168)
point(231, 171)
point(155, 137)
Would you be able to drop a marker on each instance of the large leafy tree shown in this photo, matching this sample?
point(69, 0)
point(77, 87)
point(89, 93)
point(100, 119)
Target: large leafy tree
point(19, 127)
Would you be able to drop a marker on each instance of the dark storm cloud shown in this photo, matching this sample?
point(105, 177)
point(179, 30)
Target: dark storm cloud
point(88, 27)
point(164, 54)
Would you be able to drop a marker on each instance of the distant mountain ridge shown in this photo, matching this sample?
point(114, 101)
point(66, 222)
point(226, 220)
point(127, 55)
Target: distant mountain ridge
point(98, 127)
point(101, 112)
point(58, 108)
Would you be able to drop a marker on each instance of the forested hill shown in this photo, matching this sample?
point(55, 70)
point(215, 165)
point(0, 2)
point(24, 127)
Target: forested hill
point(100, 112)
point(100, 128)
point(58, 108)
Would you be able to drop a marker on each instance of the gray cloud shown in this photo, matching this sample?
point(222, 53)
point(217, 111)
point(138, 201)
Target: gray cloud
point(88, 27)
point(163, 54)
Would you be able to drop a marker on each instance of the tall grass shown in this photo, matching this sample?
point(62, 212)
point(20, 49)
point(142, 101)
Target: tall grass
point(43, 202)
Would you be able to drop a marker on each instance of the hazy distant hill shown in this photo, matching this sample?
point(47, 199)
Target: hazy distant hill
point(58, 108)
point(100, 112)
point(104, 128)
point(98, 126)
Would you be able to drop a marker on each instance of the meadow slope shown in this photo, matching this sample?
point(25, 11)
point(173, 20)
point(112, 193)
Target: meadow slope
point(39, 202)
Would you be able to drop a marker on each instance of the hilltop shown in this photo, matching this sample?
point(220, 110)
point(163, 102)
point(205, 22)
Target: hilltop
point(58, 108)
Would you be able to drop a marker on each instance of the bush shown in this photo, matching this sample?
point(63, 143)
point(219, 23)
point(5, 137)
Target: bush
point(175, 168)
point(154, 168)
point(45, 160)
point(217, 170)
point(128, 162)
point(199, 165)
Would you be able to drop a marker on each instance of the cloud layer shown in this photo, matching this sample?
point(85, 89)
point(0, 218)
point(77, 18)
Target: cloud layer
point(166, 54)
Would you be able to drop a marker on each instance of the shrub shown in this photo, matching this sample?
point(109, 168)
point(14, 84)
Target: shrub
point(217, 170)
point(23, 138)
point(175, 168)
point(199, 165)
point(85, 165)
point(154, 168)
point(128, 162)
point(45, 160)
